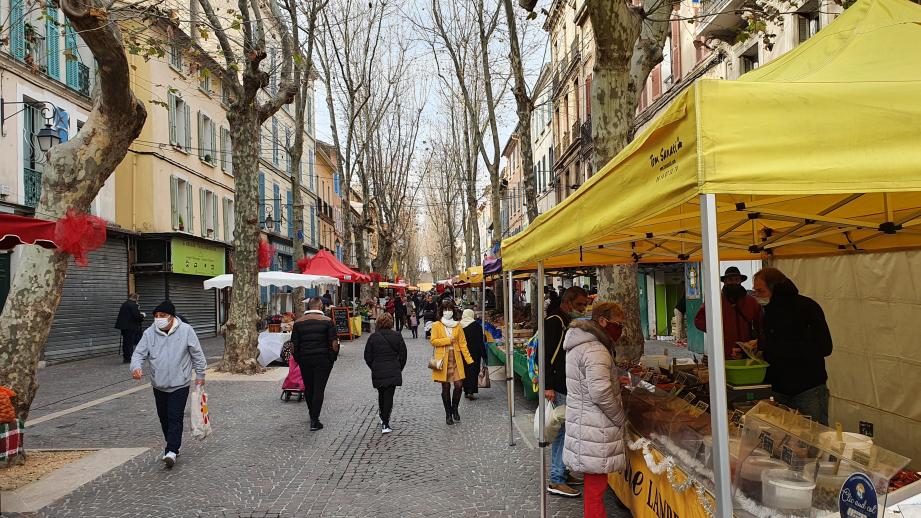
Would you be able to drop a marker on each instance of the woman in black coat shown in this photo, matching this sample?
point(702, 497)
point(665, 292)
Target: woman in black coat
point(385, 354)
point(476, 344)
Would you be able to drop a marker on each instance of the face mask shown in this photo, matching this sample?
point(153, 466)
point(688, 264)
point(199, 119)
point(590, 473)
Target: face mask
point(734, 292)
point(614, 330)
point(161, 323)
point(447, 315)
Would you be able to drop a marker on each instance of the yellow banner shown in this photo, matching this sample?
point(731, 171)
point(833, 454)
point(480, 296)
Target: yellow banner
point(648, 495)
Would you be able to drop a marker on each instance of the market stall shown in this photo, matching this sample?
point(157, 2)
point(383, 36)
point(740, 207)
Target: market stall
point(708, 181)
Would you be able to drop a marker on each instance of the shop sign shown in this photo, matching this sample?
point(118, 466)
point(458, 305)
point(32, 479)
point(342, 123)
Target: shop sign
point(195, 258)
point(282, 248)
point(649, 495)
point(858, 497)
point(692, 280)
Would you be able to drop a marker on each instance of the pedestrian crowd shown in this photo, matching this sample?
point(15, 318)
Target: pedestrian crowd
point(787, 328)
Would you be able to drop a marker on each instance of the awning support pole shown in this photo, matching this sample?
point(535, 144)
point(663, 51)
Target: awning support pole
point(509, 368)
point(541, 384)
point(714, 343)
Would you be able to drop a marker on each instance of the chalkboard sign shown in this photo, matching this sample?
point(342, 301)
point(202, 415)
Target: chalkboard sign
point(341, 317)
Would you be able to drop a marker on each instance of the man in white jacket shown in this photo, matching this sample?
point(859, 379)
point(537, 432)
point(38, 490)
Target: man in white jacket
point(172, 349)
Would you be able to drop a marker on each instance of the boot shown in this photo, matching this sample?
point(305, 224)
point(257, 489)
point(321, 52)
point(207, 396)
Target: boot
point(455, 414)
point(446, 402)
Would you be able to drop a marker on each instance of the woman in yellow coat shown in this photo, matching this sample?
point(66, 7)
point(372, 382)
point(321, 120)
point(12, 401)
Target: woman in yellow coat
point(450, 346)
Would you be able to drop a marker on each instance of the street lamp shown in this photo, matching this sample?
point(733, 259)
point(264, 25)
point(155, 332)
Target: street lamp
point(47, 137)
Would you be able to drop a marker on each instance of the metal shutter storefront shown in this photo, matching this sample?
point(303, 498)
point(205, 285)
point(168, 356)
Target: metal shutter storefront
point(194, 302)
point(84, 323)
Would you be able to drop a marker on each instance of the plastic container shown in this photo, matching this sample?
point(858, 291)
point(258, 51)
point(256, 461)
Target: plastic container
point(745, 372)
point(752, 468)
point(787, 491)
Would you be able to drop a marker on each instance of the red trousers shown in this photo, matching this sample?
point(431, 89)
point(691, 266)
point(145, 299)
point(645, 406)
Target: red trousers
point(593, 499)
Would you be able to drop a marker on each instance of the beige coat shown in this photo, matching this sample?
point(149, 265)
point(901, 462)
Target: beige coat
point(441, 341)
point(594, 413)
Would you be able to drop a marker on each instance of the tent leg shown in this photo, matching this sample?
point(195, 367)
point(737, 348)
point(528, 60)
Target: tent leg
point(714, 343)
point(541, 384)
point(509, 368)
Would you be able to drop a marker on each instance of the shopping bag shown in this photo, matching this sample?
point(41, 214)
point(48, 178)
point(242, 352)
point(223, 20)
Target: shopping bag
point(557, 420)
point(483, 379)
point(201, 420)
point(548, 418)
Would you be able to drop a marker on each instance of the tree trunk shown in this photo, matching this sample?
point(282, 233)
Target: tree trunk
point(297, 197)
point(241, 338)
point(75, 173)
point(524, 106)
point(627, 47)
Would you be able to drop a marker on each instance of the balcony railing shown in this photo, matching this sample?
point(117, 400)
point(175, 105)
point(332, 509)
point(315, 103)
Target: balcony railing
point(587, 131)
point(83, 79)
point(576, 133)
point(32, 184)
point(565, 141)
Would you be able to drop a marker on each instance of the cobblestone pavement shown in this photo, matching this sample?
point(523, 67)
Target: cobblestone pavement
point(261, 460)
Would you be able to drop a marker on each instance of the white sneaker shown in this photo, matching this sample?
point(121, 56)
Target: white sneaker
point(170, 459)
point(385, 429)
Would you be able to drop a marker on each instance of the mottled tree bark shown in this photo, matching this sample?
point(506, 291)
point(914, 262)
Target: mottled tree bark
point(75, 172)
point(628, 44)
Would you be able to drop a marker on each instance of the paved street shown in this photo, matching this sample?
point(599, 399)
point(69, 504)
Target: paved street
point(262, 461)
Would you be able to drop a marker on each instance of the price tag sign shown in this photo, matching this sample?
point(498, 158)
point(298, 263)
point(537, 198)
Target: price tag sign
point(767, 442)
point(703, 406)
point(861, 457)
point(689, 397)
point(736, 417)
point(786, 455)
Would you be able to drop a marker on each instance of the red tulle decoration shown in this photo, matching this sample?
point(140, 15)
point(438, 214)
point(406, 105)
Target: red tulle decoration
point(78, 234)
point(266, 253)
point(302, 264)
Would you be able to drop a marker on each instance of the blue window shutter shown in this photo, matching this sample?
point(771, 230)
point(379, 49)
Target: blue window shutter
point(51, 37)
point(17, 30)
point(72, 67)
point(277, 206)
point(290, 215)
point(261, 199)
point(336, 183)
point(313, 225)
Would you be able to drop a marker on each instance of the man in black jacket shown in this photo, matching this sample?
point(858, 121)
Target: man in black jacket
point(573, 305)
point(129, 322)
point(795, 341)
point(315, 348)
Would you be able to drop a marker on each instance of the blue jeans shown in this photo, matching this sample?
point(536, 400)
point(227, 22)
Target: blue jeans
point(812, 402)
point(557, 468)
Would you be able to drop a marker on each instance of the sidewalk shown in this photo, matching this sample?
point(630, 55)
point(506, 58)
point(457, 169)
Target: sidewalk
point(262, 461)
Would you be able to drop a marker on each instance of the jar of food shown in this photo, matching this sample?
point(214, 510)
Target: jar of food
point(752, 467)
point(787, 491)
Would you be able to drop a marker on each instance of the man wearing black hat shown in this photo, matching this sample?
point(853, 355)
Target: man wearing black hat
point(172, 349)
point(742, 314)
point(129, 323)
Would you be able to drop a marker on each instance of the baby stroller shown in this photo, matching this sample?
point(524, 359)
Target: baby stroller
point(293, 384)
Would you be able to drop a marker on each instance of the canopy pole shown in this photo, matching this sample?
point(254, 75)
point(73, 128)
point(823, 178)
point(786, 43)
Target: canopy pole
point(541, 384)
point(509, 368)
point(714, 342)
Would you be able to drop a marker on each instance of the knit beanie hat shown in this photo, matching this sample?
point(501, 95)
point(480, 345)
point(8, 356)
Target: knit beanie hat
point(166, 307)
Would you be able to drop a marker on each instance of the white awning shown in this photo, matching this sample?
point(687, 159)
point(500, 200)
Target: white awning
point(295, 280)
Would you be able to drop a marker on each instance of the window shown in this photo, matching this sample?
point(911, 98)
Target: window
point(311, 178)
point(667, 64)
point(748, 61)
point(175, 56)
point(207, 151)
point(180, 131)
point(336, 186)
point(262, 200)
point(204, 82)
point(290, 212)
point(276, 206)
point(275, 141)
point(287, 151)
point(807, 24)
point(181, 204)
point(309, 114)
point(226, 152)
point(313, 225)
point(229, 223)
point(225, 94)
point(208, 209)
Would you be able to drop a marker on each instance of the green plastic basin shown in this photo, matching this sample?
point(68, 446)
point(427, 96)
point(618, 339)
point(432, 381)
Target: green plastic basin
point(745, 372)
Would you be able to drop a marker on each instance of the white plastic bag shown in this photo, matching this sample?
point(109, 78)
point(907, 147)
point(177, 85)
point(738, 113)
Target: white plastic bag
point(201, 421)
point(548, 418)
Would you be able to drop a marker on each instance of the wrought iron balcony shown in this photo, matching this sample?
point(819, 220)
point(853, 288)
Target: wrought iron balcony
point(576, 133)
point(32, 186)
point(83, 79)
point(587, 131)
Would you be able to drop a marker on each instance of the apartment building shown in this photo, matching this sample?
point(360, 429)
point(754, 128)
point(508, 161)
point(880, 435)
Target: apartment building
point(329, 199)
point(542, 141)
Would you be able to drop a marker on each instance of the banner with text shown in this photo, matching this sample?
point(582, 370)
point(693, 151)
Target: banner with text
point(194, 258)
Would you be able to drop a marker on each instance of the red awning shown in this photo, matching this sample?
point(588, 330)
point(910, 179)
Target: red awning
point(22, 230)
point(325, 263)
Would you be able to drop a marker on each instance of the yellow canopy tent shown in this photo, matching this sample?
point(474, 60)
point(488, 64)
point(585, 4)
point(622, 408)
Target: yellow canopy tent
point(472, 275)
point(817, 153)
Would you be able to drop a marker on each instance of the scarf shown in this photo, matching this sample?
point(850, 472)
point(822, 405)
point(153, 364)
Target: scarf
point(449, 323)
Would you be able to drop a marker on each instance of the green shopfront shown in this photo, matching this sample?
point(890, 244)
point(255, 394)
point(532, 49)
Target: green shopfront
point(175, 268)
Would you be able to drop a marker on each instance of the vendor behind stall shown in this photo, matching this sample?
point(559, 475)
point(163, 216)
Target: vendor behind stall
point(742, 315)
point(795, 341)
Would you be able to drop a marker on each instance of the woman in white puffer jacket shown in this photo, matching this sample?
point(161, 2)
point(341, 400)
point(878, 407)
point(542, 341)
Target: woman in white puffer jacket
point(594, 443)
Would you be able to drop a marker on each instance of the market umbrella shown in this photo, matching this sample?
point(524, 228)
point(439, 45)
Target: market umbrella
point(325, 263)
point(295, 280)
point(22, 230)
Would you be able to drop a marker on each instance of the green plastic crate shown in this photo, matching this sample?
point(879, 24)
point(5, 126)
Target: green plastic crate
point(745, 372)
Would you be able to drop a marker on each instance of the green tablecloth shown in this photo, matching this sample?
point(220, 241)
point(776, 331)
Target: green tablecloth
point(519, 364)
